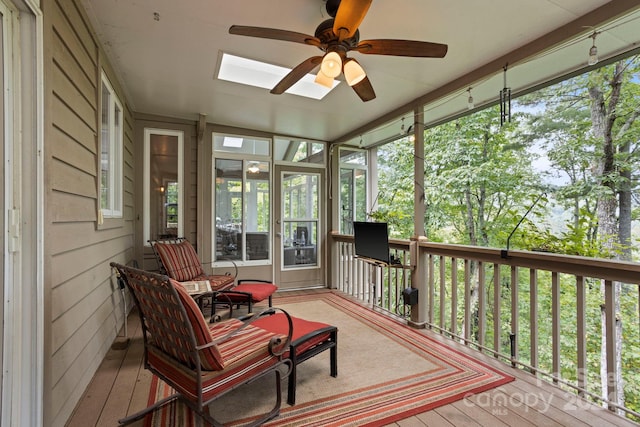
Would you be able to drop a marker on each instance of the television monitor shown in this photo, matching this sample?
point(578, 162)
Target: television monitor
point(371, 240)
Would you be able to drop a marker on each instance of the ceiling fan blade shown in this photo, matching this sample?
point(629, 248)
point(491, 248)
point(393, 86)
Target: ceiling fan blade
point(364, 90)
point(275, 34)
point(350, 15)
point(402, 48)
point(296, 74)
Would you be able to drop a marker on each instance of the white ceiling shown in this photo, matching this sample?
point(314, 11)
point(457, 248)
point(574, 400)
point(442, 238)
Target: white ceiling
point(168, 66)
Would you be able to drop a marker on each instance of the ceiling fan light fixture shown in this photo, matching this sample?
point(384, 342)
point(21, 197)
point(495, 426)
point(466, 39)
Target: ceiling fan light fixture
point(323, 79)
point(253, 167)
point(331, 65)
point(353, 72)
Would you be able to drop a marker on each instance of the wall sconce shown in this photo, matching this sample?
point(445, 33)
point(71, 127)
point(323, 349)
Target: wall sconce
point(593, 51)
point(470, 104)
point(162, 188)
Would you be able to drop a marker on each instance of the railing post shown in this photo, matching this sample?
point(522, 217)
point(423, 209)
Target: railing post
point(419, 281)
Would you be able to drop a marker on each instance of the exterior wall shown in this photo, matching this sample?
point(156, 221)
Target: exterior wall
point(83, 305)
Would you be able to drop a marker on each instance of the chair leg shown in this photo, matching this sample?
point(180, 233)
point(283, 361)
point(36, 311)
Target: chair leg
point(270, 301)
point(334, 354)
point(141, 414)
point(293, 378)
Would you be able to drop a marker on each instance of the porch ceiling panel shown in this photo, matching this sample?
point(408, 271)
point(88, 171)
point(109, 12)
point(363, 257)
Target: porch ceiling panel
point(168, 66)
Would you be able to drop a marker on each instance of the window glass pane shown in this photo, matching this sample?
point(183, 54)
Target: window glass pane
point(111, 131)
point(116, 157)
point(228, 209)
point(241, 145)
point(352, 156)
point(299, 151)
point(164, 188)
point(171, 205)
point(300, 219)
point(353, 188)
point(105, 150)
point(257, 208)
point(346, 201)
point(360, 194)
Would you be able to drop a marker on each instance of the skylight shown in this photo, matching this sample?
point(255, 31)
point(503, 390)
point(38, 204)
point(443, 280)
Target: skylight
point(260, 74)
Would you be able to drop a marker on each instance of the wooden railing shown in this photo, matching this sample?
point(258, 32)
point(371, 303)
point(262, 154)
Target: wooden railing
point(508, 304)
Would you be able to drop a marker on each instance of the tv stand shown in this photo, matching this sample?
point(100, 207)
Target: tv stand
point(372, 274)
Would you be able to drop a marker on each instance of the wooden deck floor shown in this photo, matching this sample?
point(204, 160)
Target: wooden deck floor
point(121, 386)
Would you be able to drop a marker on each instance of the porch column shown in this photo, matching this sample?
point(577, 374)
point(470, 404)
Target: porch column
point(418, 263)
point(418, 172)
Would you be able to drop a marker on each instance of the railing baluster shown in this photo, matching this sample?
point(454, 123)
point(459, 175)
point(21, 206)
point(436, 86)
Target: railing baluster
point(581, 321)
point(515, 312)
point(442, 290)
point(454, 296)
point(432, 289)
point(533, 316)
point(555, 323)
point(497, 305)
point(482, 302)
point(610, 332)
point(467, 300)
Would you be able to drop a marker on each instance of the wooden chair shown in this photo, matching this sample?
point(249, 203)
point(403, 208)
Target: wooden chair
point(178, 259)
point(200, 361)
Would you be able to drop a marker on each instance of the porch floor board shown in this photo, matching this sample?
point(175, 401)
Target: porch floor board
point(121, 385)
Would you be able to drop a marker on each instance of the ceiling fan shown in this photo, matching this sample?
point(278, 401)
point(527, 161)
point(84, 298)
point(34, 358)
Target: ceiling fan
point(335, 37)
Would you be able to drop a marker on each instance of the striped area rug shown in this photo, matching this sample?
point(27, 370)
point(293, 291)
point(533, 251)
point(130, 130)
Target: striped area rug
point(386, 372)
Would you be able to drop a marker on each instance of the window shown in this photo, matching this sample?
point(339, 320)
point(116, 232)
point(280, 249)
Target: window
point(111, 135)
point(242, 199)
point(299, 151)
point(163, 209)
point(353, 188)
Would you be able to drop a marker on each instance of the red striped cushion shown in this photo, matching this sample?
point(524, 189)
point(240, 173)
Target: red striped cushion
point(180, 260)
point(213, 382)
point(210, 357)
point(217, 281)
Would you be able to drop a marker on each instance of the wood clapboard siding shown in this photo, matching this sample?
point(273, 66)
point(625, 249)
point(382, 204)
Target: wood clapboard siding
point(83, 302)
point(68, 94)
point(73, 31)
point(64, 147)
point(69, 179)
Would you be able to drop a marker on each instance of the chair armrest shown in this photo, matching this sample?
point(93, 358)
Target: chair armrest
point(254, 281)
point(235, 267)
point(310, 335)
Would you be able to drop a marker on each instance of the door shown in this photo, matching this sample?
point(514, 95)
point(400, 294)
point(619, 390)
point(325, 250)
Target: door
point(300, 227)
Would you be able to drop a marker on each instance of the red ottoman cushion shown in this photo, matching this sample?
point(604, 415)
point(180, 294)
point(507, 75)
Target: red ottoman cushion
point(258, 291)
point(278, 324)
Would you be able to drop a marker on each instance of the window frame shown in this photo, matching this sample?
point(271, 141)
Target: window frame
point(353, 167)
point(146, 190)
point(115, 135)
